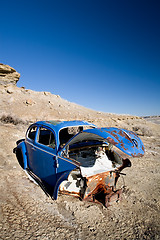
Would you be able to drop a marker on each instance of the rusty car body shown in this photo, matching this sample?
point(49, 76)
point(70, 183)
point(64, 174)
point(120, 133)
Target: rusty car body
point(77, 158)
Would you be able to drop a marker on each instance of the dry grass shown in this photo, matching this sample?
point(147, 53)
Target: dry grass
point(12, 119)
point(142, 130)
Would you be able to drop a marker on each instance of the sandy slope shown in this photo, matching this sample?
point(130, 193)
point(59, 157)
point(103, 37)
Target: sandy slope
point(27, 213)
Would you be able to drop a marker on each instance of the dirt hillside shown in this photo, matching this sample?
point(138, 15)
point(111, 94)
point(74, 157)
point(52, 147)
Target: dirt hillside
point(27, 213)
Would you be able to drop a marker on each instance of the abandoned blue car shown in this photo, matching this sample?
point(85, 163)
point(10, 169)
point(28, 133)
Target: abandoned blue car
point(77, 158)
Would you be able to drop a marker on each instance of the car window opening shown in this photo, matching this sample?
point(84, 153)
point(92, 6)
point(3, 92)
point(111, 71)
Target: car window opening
point(46, 137)
point(67, 133)
point(32, 132)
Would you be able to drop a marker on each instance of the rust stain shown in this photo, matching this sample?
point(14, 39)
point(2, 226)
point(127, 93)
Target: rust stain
point(143, 148)
point(111, 140)
point(114, 134)
point(101, 188)
point(75, 194)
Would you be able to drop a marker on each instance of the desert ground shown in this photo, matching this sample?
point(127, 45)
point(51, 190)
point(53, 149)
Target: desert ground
point(27, 213)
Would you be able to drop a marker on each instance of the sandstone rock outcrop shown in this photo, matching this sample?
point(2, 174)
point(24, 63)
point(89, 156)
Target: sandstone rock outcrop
point(8, 75)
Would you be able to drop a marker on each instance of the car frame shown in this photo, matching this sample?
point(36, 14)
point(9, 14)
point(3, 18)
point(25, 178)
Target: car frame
point(77, 158)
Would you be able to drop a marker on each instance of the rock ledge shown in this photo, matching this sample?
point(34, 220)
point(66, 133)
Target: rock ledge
point(8, 75)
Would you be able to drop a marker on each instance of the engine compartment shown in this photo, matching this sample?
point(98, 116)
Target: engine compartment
point(97, 172)
point(95, 159)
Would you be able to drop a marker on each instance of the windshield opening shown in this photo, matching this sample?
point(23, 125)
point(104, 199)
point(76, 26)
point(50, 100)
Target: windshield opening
point(67, 133)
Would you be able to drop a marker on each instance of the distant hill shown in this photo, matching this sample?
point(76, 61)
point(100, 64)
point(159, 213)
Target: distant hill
point(28, 105)
point(154, 119)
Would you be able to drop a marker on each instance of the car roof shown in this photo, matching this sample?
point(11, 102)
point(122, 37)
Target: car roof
point(57, 125)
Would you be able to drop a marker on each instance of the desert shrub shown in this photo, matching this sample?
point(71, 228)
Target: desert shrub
point(142, 130)
point(135, 128)
point(12, 119)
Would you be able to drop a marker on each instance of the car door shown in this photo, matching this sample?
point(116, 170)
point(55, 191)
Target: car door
point(30, 141)
point(43, 157)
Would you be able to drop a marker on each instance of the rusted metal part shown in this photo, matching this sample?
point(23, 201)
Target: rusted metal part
point(137, 155)
point(113, 197)
point(126, 163)
point(75, 194)
point(101, 188)
point(143, 148)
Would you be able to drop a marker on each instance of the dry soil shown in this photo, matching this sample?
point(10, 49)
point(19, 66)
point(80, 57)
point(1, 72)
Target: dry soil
point(27, 213)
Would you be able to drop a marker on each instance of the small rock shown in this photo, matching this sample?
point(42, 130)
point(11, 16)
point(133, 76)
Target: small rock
point(9, 91)
point(47, 93)
point(29, 102)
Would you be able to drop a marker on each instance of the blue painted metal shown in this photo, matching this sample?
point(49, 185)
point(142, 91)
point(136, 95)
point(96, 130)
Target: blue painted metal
point(22, 147)
point(46, 162)
point(50, 165)
point(56, 126)
point(127, 141)
point(43, 163)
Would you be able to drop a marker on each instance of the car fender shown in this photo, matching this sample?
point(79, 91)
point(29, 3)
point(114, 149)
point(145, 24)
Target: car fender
point(21, 154)
point(62, 178)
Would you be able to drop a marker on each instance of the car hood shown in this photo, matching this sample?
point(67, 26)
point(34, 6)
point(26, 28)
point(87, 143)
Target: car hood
point(127, 141)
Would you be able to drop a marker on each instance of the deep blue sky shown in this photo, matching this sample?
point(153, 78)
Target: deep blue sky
point(104, 55)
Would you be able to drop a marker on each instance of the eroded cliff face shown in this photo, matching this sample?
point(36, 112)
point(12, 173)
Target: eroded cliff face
point(8, 75)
